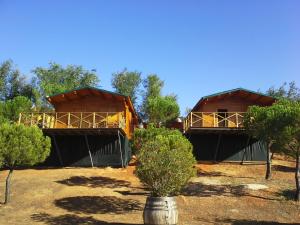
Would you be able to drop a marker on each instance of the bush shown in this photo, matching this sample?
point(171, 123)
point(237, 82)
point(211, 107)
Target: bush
point(141, 136)
point(165, 162)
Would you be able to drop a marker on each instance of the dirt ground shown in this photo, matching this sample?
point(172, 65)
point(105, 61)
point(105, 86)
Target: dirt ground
point(220, 194)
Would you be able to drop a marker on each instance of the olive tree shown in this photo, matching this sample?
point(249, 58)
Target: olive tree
point(266, 124)
point(289, 142)
point(21, 146)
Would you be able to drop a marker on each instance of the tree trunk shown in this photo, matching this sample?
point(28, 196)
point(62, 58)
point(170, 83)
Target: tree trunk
point(297, 176)
point(269, 155)
point(7, 186)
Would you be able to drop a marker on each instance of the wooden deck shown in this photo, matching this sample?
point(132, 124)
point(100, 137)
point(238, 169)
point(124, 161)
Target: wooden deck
point(213, 120)
point(73, 120)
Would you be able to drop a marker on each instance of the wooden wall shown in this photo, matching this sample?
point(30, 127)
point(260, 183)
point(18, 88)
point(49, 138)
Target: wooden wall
point(90, 104)
point(231, 103)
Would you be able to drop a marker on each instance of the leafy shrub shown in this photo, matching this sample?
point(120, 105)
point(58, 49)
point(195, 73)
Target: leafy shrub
point(165, 162)
point(141, 136)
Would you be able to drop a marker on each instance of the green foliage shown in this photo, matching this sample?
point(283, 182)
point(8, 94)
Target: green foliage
point(21, 146)
point(165, 162)
point(153, 85)
point(56, 79)
point(141, 136)
point(11, 109)
point(13, 83)
point(162, 109)
point(288, 91)
point(266, 123)
point(127, 83)
point(289, 140)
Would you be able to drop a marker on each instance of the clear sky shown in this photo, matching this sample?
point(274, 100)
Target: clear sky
point(197, 47)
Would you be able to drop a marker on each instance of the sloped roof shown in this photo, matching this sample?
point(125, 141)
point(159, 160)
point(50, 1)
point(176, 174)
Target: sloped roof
point(242, 92)
point(88, 90)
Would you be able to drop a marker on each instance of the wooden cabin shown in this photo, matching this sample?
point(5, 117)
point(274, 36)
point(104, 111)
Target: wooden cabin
point(215, 126)
point(88, 127)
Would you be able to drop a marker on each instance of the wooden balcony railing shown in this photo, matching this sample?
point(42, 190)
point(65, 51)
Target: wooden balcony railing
point(73, 119)
point(214, 119)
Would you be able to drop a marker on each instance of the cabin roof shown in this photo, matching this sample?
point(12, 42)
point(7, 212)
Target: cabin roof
point(243, 93)
point(86, 91)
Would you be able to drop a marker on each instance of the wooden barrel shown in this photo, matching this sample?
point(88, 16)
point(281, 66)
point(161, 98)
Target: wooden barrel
point(161, 211)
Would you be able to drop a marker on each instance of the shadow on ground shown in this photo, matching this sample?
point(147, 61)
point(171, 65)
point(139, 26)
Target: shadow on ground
point(70, 219)
point(94, 182)
point(203, 173)
point(287, 194)
point(203, 190)
point(282, 168)
point(98, 204)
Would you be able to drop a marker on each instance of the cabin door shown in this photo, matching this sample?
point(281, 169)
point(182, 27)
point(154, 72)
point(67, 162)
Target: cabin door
point(222, 117)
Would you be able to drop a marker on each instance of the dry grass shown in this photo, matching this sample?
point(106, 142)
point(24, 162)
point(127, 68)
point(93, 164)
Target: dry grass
point(218, 195)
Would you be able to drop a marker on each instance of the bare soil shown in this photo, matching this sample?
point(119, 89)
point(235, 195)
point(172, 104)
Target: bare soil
point(220, 194)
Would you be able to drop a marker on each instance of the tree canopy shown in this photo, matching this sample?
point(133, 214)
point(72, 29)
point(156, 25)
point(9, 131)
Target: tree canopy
point(11, 109)
point(286, 90)
point(56, 78)
point(127, 83)
point(162, 109)
point(13, 83)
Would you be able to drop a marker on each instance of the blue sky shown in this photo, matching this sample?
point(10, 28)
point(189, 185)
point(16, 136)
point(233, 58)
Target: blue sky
point(197, 47)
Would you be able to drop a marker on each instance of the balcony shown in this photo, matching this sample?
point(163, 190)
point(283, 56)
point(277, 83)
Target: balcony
point(208, 120)
point(73, 120)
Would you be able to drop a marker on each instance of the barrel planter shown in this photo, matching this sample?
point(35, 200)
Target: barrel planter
point(161, 211)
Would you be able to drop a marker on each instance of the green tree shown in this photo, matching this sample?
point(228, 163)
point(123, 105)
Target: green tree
point(165, 162)
point(286, 90)
point(127, 83)
point(13, 83)
point(56, 79)
point(289, 140)
point(265, 124)
point(21, 146)
point(162, 109)
point(11, 109)
point(153, 87)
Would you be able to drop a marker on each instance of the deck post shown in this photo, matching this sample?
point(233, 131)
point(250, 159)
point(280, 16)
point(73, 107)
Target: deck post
point(20, 118)
point(217, 148)
point(80, 122)
point(55, 121)
point(245, 149)
point(214, 115)
point(69, 118)
point(94, 120)
point(88, 148)
point(57, 151)
point(237, 119)
point(191, 119)
point(31, 118)
point(43, 121)
point(120, 147)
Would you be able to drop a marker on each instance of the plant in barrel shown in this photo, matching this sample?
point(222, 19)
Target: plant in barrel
point(21, 146)
point(165, 165)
